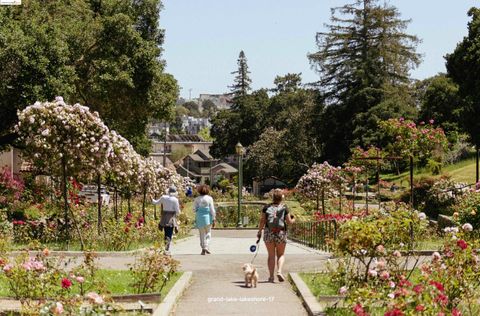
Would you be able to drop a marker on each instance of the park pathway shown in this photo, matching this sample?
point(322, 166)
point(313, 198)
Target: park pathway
point(218, 286)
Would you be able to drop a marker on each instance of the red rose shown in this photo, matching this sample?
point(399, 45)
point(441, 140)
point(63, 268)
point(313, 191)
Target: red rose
point(420, 308)
point(462, 244)
point(394, 312)
point(418, 289)
point(456, 312)
point(66, 283)
point(438, 285)
point(359, 311)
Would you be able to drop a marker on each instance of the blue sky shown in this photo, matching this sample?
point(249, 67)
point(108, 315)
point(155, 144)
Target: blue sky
point(204, 37)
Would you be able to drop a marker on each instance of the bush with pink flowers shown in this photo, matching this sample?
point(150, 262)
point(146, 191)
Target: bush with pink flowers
point(447, 284)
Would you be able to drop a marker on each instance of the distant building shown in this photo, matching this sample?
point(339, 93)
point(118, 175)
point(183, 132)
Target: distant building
point(192, 125)
point(222, 101)
point(202, 167)
point(156, 130)
point(177, 143)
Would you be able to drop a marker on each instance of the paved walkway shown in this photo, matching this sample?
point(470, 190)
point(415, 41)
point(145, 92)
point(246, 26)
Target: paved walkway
point(218, 286)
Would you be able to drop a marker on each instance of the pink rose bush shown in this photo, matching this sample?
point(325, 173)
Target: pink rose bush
point(447, 284)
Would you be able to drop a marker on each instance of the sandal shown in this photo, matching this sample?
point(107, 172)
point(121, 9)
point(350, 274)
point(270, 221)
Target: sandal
point(280, 277)
point(271, 280)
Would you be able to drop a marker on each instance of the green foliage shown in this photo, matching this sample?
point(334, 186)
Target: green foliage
point(242, 81)
point(152, 271)
point(462, 67)
point(468, 210)
point(106, 55)
point(440, 100)
point(434, 196)
point(380, 235)
point(205, 134)
point(363, 60)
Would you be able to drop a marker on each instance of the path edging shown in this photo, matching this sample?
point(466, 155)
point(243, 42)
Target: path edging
point(311, 304)
point(166, 306)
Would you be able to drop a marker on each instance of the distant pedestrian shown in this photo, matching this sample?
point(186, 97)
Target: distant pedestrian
point(273, 222)
point(189, 192)
point(204, 216)
point(170, 210)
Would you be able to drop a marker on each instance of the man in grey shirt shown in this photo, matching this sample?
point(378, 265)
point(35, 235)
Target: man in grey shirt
point(170, 210)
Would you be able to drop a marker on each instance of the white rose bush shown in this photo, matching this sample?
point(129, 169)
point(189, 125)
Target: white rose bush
point(320, 181)
point(66, 141)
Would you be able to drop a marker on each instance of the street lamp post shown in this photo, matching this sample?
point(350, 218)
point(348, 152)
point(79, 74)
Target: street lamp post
point(240, 151)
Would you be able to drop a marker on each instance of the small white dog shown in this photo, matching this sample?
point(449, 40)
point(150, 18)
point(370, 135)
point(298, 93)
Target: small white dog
point(251, 275)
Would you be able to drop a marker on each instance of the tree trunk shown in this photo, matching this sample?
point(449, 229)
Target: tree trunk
point(99, 200)
point(323, 201)
point(65, 199)
point(354, 194)
point(411, 181)
point(143, 204)
point(115, 206)
point(477, 171)
point(155, 208)
point(340, 199)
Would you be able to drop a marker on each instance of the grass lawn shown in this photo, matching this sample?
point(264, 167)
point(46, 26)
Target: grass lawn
point(463, 171)
point(117, 282)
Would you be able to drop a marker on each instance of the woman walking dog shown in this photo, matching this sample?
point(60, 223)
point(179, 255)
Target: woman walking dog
point(273, 222)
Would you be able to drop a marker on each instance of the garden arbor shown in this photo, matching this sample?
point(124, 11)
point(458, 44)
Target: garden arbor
point(411, 141)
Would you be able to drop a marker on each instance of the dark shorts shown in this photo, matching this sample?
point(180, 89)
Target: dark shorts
point(279, 237)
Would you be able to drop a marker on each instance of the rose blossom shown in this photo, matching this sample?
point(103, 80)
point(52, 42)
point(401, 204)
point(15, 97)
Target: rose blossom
point(380, 248)
point(372, 273)
point(95, 298)
point(7, 267)
point(80, 279)
point(436, 256)
point(462, 244)
point(391, 284)
point(397, 253)
point(420, 308)
point(58, 309)
point(66, 283)
point(467, 227)
point(343, 290)
point(422, 216)
point(381, 264)
point(384, 275)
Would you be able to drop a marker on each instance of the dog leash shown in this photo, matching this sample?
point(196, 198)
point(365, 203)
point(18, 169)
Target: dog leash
point(256, 252)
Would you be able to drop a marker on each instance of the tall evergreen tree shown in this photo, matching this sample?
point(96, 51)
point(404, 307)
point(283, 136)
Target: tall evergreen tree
point(363, 57)
point(242, 81)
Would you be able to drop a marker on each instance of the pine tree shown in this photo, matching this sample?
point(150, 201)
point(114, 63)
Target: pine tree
point(363, 56)
point(242, 81)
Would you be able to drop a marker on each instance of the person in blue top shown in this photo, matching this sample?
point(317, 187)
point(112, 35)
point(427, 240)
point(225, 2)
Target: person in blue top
point(204, 216)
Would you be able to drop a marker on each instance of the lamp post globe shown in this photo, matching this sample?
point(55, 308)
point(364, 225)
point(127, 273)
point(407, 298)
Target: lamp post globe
point(239, 149)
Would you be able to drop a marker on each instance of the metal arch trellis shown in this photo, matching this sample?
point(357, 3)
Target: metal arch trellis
point(379, 158)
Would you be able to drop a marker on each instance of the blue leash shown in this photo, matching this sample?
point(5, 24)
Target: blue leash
point(255, 248)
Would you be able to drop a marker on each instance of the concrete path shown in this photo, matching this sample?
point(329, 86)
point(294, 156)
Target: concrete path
point(218, 286)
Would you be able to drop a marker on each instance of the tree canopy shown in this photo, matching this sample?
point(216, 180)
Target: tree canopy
point(104, 54)
point(363, 59)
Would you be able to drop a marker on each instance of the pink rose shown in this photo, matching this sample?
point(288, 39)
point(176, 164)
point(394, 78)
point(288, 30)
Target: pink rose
point(343, 290)
point(80, 279)
point(384, 275)
point(58, 309)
